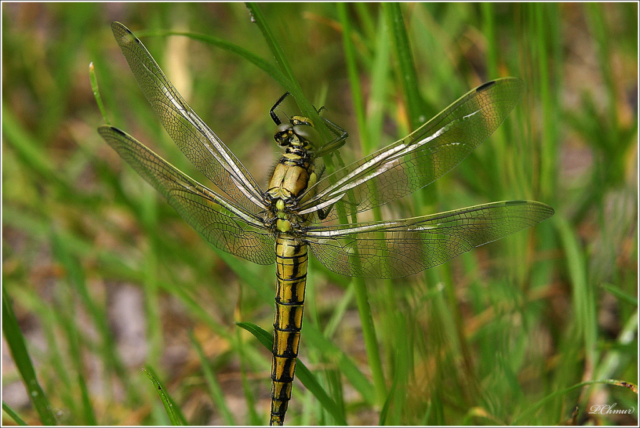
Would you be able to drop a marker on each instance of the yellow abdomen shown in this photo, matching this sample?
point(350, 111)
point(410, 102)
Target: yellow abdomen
point(291, 279)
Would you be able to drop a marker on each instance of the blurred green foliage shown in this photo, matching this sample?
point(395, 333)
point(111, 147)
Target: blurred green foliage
point(104, 278)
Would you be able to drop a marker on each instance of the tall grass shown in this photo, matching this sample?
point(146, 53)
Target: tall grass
point(504, 334)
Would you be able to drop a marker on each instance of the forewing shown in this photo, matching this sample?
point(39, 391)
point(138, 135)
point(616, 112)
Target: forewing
point(422, 157)
point(399, 248)
point(226, 226)
point(199, 143)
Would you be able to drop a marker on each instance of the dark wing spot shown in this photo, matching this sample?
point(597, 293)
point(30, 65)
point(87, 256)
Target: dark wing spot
point(118, 131)
point(485, 86)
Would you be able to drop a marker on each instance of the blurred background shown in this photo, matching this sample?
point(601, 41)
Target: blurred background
point(104, 278)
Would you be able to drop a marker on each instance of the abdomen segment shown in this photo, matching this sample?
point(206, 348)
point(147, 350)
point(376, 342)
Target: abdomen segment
point(291, 279)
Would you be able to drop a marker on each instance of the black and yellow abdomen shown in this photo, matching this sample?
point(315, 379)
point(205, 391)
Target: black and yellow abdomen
point(291, 279)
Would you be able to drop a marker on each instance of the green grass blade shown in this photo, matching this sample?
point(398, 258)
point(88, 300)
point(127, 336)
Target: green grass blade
point(407, 71)
point(366, 20)
point(427, 414)
point(488, 21)
point(27, 147)
point(621, 295)
point(87, 408)
point(350, 370)
point(96, 93)
point(173, 411)
point(370, 338)
point(68, 320)
point(254, 417)
point(586, 317)
point(362, 300)
point(409, 78)
point(599, 30)
point(97, 313)
point(357, 99)
point(248, 276)
point(274, 46)
point(382, 420)
point(150, 282)
point(302, 373)
point(294, 87)
point(21, 358)
point(550, 103)
point(13, 414)
point(261, 63)
point(214, 387)
point(619, 355)
point(379, 86)
point(331, 326)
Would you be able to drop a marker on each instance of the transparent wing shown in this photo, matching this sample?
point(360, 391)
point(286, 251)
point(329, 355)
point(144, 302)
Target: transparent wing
point(199, 143)
point(395, 249)
point(422, 157)
point(226, 226)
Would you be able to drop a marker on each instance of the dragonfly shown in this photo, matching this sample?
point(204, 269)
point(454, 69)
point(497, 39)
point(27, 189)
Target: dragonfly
point(303, 208)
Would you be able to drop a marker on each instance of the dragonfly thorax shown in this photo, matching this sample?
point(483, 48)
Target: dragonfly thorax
point(282, 216)
point(292, 176)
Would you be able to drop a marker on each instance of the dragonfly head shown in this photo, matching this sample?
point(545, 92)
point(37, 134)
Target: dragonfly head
point(298, 133)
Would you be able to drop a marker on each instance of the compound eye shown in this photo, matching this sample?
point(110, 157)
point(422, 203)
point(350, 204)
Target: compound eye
point(282, 138)
point(307, 132)
point(301, 120)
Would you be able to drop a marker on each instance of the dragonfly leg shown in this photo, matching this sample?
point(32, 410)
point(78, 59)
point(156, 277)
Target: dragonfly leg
point(272, 112)
point(336, 143)
point(322, 214)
